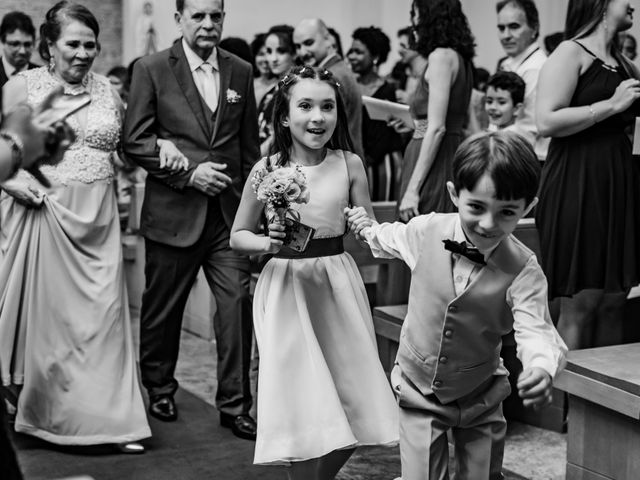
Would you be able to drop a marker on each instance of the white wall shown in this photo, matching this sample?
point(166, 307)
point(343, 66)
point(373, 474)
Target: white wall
point(247, 17)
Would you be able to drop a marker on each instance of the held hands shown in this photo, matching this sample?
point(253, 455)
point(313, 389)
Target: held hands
point(534, 387)
point(170, 157)
point(628, 91)
point(208, 177)
point(357, 219)
point(409, 206)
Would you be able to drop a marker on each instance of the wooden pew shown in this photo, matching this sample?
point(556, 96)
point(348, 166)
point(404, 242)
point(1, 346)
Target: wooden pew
point(603, 440)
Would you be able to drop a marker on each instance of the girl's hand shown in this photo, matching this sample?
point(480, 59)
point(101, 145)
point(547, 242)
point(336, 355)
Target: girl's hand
point(534, 387)
point(628, 91)
point(276, 237)
point(24, 193)
point(409, 206)
point(357, 219)
point(170, 157)
point(398, 125)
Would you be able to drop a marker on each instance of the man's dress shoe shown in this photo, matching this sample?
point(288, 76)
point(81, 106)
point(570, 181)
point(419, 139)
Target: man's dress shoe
point(163, 408)
point(242, 426)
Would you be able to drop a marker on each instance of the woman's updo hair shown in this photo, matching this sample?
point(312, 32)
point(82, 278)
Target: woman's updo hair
point(376, 42)
point(61, 13)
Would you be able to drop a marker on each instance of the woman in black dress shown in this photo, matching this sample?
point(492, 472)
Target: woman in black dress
point(369, 49)
point(589, 212)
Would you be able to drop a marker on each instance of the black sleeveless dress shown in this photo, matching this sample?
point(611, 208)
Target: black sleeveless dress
point(589, 212)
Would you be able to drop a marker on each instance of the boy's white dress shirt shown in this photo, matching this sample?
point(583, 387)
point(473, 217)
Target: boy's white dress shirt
point(538, 342)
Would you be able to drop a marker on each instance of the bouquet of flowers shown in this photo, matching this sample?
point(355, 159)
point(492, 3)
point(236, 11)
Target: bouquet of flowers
point(278, 188)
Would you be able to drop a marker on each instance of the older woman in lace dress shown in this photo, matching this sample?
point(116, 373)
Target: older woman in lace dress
point(65, 333)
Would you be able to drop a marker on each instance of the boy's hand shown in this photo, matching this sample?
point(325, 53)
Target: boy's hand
point(534, 387)
point(357, 219)
point(276, 237)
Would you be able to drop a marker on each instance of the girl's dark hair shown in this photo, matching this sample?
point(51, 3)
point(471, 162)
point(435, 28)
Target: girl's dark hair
point(530, 12)
point(256, 44)
point(375, 40)
point(441, 23)
point(285, 36)
point(57, 15)
point(238, 46)
point(511, 82)
point(508, 158)
point(282, 142)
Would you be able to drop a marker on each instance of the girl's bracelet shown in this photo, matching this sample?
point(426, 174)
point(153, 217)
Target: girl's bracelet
point(17, 149)
point(593, 114)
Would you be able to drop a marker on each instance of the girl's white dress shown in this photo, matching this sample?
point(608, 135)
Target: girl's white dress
point(321, 386)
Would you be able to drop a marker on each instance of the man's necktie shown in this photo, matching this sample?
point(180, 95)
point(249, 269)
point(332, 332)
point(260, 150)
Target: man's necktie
point(208, 83)
point(461, 248)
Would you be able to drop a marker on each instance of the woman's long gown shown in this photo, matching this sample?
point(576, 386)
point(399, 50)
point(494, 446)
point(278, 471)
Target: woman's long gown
point(321, 386)
point(65, 331)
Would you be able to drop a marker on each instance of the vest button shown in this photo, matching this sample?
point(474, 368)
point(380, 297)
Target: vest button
point(453, 308)
point(448, 333)
point(437, 384)
point(443, 359)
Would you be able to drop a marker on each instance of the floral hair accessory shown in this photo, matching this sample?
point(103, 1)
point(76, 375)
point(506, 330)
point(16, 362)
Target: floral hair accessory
point(233, 96)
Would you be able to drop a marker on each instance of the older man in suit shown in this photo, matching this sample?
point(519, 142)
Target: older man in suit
point(18, 37)
point(314, 48)
point(197, 100)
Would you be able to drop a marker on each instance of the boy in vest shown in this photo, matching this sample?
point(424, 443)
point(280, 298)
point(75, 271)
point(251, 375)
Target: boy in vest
point(472, 282)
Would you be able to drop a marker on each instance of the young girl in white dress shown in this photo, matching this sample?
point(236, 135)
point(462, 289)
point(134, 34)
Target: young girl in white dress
point(321, 389)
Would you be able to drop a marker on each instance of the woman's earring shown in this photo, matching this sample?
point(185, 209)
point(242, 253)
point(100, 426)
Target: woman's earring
point(284, 123)
point(604, 22)
point(52, 64)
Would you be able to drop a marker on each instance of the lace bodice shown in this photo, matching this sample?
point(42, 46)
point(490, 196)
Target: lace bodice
point(88, 159)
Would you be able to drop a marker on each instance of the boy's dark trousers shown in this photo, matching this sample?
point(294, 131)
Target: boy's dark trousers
point(477, 425)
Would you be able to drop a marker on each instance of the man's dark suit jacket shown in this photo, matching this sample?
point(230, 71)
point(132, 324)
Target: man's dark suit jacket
point(3, 75)
point(164, 103)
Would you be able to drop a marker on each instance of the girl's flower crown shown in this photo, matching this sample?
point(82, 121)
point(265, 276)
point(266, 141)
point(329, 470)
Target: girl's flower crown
point(305, 71)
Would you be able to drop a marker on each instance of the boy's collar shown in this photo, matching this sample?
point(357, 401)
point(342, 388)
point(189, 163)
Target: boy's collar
point(460, 236)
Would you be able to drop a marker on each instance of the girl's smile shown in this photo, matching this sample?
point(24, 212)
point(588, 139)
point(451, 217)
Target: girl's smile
point(313, 114)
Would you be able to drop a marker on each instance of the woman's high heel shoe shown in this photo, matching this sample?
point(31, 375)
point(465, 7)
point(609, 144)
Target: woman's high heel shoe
point(130, 448)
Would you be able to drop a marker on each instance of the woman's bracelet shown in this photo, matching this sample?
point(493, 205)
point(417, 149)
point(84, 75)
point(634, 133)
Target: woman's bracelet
point(17, 149)
point(593, 114)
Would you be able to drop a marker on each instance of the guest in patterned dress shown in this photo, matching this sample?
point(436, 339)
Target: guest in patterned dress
point(65, 333)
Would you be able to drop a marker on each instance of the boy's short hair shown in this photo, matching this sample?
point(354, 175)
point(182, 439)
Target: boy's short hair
point(511, 82)
point(508, 158)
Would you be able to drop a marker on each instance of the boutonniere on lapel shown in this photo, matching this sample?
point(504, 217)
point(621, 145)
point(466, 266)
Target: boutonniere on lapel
point(233, 96)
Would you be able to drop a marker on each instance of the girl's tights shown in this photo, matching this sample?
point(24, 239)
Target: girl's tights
point(322, 468)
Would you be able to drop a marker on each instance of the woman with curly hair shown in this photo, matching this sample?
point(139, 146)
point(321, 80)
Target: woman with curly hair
point(439, 108)
point(369, 49)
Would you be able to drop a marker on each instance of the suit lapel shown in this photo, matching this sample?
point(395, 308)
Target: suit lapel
point(180, 67)
point(3, 75)
point(225, 65)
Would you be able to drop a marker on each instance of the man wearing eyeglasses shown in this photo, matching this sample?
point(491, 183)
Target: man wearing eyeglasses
point(17, 35)
point(191, 123)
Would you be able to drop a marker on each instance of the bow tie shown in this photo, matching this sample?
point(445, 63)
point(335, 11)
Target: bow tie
point(461, 248)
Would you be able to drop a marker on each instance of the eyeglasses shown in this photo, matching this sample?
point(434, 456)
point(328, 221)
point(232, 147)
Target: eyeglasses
point(15, 44)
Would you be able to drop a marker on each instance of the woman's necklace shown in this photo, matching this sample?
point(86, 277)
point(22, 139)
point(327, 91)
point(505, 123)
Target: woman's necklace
point(72, 88)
